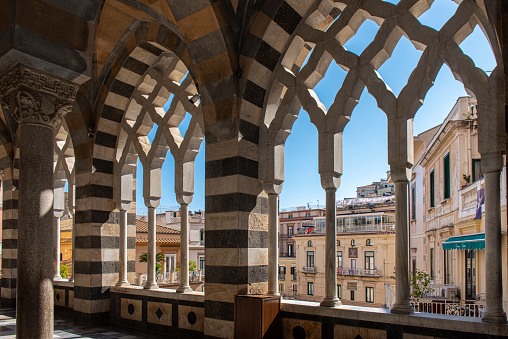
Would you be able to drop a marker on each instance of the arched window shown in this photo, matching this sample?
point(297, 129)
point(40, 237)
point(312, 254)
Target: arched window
point(309, 243)
point(353, 242)
point(368, 242)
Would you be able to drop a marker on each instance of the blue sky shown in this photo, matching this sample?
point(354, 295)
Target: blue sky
point(365, 137)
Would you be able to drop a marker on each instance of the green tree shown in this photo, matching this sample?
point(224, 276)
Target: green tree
point(193, 267)
point(64, 271)
point(419, 283)
point(159, 262)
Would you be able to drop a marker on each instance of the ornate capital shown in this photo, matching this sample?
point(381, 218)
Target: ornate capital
point(32, 96)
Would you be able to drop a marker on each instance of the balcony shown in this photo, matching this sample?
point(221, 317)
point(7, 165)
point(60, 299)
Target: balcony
point(358, 272)
point(309, 269)
point(468, 197)
point(282, 277)
point(285, 236)
point(367, 228)
point(287, 255)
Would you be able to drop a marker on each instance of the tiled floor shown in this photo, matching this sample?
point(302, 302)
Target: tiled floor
point(65, 328)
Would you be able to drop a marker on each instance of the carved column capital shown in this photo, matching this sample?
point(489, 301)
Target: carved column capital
point(32, 96)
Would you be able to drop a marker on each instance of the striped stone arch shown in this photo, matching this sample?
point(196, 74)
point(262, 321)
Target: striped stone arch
point(326, 27)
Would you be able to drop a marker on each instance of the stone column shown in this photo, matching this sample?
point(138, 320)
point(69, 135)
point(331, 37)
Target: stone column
point(72, 203)
point(58, 211)
point(56, 249)
point(273, 244)
point(122, 273)
point(38, 102)
point(402, 293)
point(151, 282)
point(330, 299)
point(273, 190)
point(152, 194)
point(184, 250)
point(492, 165)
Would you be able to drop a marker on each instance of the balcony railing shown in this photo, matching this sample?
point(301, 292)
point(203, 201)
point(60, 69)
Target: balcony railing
point(309, 269)
point(358, 272)
point(287, 255)
point(282, 277)
point(366, 228)
point(285, 235)
point(293, 277)
point(468, 197)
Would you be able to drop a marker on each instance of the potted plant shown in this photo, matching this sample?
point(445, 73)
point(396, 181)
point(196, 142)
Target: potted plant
point(467, 179)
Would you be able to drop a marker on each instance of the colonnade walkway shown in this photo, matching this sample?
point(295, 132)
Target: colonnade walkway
point(66, 328)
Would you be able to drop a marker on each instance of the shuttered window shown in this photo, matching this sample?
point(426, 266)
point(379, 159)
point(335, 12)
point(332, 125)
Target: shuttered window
point(446, 167)
point(431, 184)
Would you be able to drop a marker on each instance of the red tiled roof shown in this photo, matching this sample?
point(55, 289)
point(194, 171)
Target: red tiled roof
point(142, 227)
point(159, 241)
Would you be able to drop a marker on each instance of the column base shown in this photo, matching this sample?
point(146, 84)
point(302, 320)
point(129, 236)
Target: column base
point(405, 308)
point(275, 294)
point(494, 317)
point(184, 289)
point(58, 278)
point(330, 302)
point(151, 286)
point(122, 284)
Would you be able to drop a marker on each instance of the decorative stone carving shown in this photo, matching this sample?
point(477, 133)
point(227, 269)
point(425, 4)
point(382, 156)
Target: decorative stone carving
point(35, 97)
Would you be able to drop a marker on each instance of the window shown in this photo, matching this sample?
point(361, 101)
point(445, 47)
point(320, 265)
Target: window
point(431, 184)
point(309, 243)
point(369, 294)
point(201, 235)
point(290, 216)
point(308, 214)
point(202, 264)
point(290, 250)
point(293, 288)
point(281, 288)
point(368, 242)
point(290, 231)
point(446, 166)
point(282, 272)
point(310, 258)
point(338, 242)
point(369, 260)
point(353, 264)
point(477, 170)
point(339, 291)
point(413, 202)
point(352, 295)
point(310, 288)
point(432, 263)
point(339, 259)
point(446, 266)
point(293, 273)
point(353, 242)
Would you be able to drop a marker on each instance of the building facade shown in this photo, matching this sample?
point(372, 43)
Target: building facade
point(449, 186)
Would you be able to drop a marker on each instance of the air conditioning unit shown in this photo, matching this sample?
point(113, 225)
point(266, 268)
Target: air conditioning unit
point(449, 292)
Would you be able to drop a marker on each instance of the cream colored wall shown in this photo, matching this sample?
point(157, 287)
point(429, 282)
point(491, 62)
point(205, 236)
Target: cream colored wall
point(384, 250)
point(288, 263)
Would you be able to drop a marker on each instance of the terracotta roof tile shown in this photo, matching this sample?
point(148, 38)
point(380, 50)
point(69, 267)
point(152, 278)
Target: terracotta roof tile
point(142, 227)
point(159, 241)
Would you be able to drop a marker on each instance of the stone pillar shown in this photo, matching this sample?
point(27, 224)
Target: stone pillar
point(184, 250)
point(492, 165)
point(330, 299)
point(122, 191)
point(56, 249)
point(400, 158)
point(122, 273)
point(152, 194)
point(273, 244)
point(330, 170)
point(273, 190)
point(72, 203)
point(38, 102)
point(402, 293)
point(151, 282)
point(58, 211)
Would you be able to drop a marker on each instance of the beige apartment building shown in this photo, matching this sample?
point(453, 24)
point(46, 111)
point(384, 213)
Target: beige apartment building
point(365, 253)
point(447, 201)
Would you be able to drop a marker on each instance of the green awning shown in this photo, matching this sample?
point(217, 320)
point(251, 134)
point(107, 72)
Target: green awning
point(465, 242)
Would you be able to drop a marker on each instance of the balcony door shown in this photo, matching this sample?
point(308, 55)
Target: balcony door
point(470, 274)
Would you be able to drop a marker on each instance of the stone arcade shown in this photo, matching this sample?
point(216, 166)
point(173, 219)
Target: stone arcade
point(82, 83)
